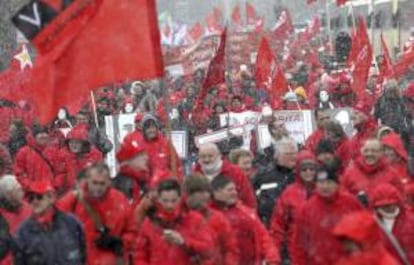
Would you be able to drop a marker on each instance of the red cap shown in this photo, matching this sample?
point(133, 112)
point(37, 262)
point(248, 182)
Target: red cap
point(41, 187)
point(129, 150)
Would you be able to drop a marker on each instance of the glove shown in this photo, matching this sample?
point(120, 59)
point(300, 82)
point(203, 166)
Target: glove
point(108, 242)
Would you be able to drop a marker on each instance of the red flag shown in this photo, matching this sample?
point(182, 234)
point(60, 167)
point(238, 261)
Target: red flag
point(264, 62)
point(103, 49)
point(361, 64)
point(283, 26)
point(309, 2)
point(196, 32)
point(251, 14)
point(278, 89)
point(407, 60)
point(213, 20)
point(386, 67)
point(341, 2)
point(215, 74)
point(236, 16)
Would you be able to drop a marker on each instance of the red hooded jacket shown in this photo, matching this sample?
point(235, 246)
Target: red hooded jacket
point(361, 228)
point(364, 132)
point(403, 228)
point(359, 176)
point(313, 242)
point(153, 249)
point(394, 142)
point(244, 188)
point(114, 212)
point(312, 141)
point(254, 242)
point(288, 205)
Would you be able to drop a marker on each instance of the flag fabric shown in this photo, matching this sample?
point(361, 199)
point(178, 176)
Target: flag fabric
point(81, 49)
point(195, 33)
point(283, 27)
point(213, 20)
point(264, 62)
point(259, 25)
point(361, 63)
point(386, 66)
point(406, 61)
point(309, 2)
point(251, 14)
point(236, 16)
point(278, 88)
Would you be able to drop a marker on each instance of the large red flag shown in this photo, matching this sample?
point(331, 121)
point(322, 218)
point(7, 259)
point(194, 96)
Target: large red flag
point(236, 16)
point(386, 66)
point(406, 61)
point(278, 89)
point(264, 62)
point(251, 14)
point(361, 64)
point(89, 44)
point(283, 26)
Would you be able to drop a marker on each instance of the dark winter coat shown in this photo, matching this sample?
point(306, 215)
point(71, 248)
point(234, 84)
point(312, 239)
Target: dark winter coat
point(100, 140)
point(268, 184)
point(62, 244)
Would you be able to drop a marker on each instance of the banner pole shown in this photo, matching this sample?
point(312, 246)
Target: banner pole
point(95, 113)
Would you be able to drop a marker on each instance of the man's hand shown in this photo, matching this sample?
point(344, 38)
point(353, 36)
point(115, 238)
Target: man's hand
point(173, 237)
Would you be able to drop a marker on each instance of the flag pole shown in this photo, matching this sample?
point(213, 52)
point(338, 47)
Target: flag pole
point(95, 113)
point(328, 23)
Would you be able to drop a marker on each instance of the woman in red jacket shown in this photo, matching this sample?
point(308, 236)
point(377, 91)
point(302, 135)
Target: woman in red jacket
point(396, 155)
point(290, 201)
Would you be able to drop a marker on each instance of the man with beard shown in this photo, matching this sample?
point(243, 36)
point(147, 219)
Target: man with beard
point(211, 164)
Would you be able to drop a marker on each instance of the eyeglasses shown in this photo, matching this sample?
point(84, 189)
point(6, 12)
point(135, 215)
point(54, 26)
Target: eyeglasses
point(32, 197)
point(308, 168)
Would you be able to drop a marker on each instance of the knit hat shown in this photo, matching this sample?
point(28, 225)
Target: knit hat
point(326, 173)
point(129, 150)
point(325, 146)
point(149, 118)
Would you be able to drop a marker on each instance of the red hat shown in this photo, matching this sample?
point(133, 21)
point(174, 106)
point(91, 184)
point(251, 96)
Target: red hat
point(79, 132)
point(364, 107)
point(385, 194)
point(129, 150)
point(40, 187)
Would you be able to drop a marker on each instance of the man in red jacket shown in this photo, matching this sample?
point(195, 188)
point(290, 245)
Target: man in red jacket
point(106, 216)
point(211, 164)
point(313, 242)
point(254, 242)
point(291, 200)
point(170, 234)
point(322, 117)
point(12, 207)
point(388, 205)
point(361, 240)
point(35, 161)
point(198, 190)
point(368, 170)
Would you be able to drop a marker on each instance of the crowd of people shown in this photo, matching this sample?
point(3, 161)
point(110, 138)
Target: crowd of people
point(334, 199)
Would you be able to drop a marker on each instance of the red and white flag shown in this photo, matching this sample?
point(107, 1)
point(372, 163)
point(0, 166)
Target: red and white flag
point(386, 66)
point(283, 27)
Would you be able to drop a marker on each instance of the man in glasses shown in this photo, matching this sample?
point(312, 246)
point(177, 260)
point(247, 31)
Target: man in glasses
point(290, 201)
point(49, 236)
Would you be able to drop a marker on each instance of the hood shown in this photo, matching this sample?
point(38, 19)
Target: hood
point(360, 227)
point(302, 155)
point(79, 132)
point(385, 194)
point(394, 141)
point(370, 169)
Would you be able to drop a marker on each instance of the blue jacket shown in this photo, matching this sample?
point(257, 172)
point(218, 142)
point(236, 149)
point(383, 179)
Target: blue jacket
point(62, 244)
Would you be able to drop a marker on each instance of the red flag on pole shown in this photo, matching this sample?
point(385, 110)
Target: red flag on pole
point(251, 14)
point(361, 64)
point(88, 45)
point(236, 16)
point(278, 89)
point(196, 32)
point(402, 65)
point(264, 62)
point(283, 26)
point(386, 66)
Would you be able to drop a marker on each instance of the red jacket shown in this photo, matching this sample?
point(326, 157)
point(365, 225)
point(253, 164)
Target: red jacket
point(364, 132)
point(254, 242)
point(34, 164)
point(362, 229)
point(224, 238)
point(394, 142)
point(313, 242)
point(313, 140)
point(403, 228)
point(362, 177)
point(343, 150)
point(115, 214)
point(14, 219)
point(73, 164)
point(160, 152)
point(244, 188)
point(153, 249)
point(288, 205)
